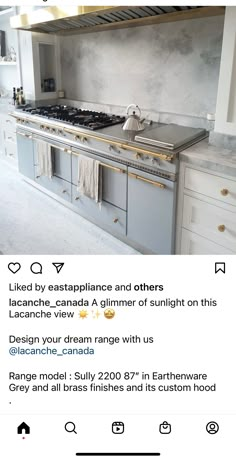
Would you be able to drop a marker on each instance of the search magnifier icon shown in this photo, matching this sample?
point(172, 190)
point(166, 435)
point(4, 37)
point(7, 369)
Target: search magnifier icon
point(70, 427)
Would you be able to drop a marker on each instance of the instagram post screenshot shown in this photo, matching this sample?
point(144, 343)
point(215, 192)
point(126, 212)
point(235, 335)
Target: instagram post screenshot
point(117, 231)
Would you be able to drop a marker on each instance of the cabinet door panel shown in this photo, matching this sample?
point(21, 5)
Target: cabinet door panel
point(11, 149)
point(114, 179)
point(62, 164)
point(209, 221)
point(25, 154)
point(210, 185)
point(193, 244)
point(55, 185)
point(151, 211)
point(61, 159)
point(106, 215)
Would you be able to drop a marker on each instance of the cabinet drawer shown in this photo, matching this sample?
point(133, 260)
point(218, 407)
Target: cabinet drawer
point(209, 221)
point(56, 185)
point(193, 244)
point(8, 123)
point(11, 149)
point(108, 215)
point(215, 187)
point(10, 136)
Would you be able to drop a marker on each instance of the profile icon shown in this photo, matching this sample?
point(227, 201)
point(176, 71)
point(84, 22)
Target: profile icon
point(212, 428)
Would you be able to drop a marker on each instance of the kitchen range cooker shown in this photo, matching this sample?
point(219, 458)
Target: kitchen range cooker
point(139, 169)
point(103, 134)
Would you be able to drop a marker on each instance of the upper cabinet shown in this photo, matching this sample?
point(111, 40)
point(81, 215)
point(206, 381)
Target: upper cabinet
point(41, 76)
point(226, 99)
point(46, 65)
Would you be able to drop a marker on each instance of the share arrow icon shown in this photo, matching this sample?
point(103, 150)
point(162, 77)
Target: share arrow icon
point(58, 266)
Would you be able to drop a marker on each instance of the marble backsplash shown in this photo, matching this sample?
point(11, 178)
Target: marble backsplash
point(166, 69)
point(162, 117)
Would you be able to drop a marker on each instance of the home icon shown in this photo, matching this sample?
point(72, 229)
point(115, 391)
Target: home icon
point(23, 428)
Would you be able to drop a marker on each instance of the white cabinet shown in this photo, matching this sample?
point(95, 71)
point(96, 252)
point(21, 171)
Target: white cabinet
point(40, 57)
point(206, 221)
point(191, 244)
point(46, 65)
point(8, 146)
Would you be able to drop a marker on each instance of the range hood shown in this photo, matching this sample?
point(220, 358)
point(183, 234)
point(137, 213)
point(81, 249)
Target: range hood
point(68, 20)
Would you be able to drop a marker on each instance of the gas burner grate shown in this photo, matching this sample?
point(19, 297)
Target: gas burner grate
point(77, 117)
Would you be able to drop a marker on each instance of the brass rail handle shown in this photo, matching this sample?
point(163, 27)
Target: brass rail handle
point(29, 136)
point(119, 170)
point(157, 184)
point(114, 168)
point(63, 149)
point(162, 156)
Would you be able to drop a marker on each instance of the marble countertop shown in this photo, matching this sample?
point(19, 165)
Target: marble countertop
point(5, 105)
point(210, 157)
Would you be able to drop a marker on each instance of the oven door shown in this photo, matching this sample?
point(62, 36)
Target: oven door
point(151, 212)
point(60, 182)
point(111, 213)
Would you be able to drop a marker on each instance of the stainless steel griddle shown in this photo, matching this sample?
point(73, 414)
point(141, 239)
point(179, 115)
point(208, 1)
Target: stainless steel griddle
point(170, 136)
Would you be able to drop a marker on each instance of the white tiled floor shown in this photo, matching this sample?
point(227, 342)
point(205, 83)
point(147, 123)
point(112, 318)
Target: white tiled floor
point(33, 223)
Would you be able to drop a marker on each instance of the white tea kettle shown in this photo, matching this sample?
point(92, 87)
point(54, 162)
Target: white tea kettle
point(133, 122)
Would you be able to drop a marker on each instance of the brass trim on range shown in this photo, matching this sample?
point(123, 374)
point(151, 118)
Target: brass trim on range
point(84, 136)
point(114, 168)
point(65, 150)
point(152, 182)
point(162, 156)
point(29, 136)
point(119, 170)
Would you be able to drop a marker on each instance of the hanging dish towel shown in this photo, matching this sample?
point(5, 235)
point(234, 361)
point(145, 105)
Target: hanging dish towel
point(44, 155)
point(90, 178)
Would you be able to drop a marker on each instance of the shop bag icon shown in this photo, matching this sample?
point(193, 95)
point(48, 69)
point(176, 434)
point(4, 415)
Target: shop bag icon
point(165, 428)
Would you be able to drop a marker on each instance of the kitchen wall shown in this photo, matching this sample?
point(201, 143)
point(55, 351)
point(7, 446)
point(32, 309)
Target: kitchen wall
point(8, 74)
point(171, 68)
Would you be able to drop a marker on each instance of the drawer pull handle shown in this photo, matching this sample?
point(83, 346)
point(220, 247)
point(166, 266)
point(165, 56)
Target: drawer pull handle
point(37, 177)
point(64, 191)
point(25, 135)
point(63, 149)
point(221, 228)
point(224, 191)
point(76, 198)
point(115, 220)
point(156, 184)
point(114, 168)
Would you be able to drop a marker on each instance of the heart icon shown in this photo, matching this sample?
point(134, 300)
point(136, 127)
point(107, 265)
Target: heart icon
point(14, 267)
